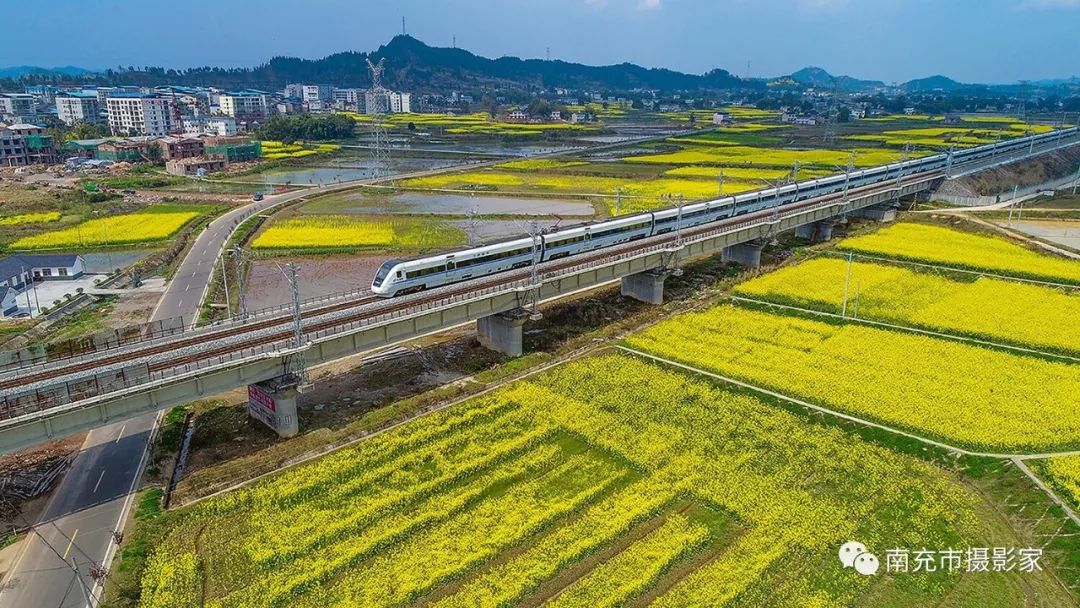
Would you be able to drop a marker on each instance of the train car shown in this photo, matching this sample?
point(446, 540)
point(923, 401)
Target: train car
point(403, 276)
point(579, 239)
point(396, 277)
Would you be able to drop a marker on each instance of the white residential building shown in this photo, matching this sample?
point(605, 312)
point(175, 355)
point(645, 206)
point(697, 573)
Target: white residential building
point(78, 107)
point(17, 107)
point(248, 104)
point(143, 114)
point(389, 102)
point(400, 103)
point(318, 93)
point(221, 126)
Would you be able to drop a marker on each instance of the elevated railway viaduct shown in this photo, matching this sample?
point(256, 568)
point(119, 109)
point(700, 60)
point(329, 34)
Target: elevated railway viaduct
point(268, 351)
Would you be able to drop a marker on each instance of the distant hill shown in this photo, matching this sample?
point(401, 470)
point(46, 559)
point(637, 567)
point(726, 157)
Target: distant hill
point(31, 70)
point(413, 65)
point(933, 83)
point(821, 79)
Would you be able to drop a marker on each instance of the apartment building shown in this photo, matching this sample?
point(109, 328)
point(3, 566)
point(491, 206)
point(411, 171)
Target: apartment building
point(78, 107)
point(209, 125)
point(17, 107)
point(142, 114)
point(251, 105)
point(389, 102)
point(318, 93)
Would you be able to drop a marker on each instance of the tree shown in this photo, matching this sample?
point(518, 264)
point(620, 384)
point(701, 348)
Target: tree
point(84, 130)
point(844, 114)
point(153, 154)
point(539, 107)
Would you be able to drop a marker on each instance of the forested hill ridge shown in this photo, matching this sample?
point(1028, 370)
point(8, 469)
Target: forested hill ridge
point(415, 66)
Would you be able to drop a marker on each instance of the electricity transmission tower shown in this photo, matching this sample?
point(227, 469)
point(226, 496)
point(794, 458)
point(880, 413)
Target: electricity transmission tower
point(380, 145)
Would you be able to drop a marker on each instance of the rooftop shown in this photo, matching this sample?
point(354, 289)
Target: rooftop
point(13, 265)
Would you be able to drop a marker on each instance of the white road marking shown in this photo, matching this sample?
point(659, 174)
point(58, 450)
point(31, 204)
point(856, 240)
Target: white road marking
point(188, 288)
point(70, 543)
point(100, 477)
point(121, 433)
point(127, 505)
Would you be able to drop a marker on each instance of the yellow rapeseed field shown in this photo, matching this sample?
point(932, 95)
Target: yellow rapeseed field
point(769, 157)
point(337, 232)
point(959, 393)
point(1063, 472)
point(997, 310)
point(129, 229)
point(744, 173)
point(948, 247)
point(30, 218)
point(641, 194)
point(547, 486)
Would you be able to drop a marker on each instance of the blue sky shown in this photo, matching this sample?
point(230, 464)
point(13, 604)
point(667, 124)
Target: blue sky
point(892, 40)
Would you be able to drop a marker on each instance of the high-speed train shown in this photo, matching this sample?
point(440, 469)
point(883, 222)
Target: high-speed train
point(396, 277)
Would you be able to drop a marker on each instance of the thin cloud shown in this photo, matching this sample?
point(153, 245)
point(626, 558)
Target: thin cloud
point(648, 5)
point(1049, 4)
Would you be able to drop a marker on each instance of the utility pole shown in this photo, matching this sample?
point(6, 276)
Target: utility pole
point(238, 260)
point(225, 280)
point(534, 273)
point(618, 201)
point(25, 281)
point(858, 291)
point(470, 227)
point(678, 223)
point(847, 287)
point(1077, 180)
point(82, 584)
point(720, 179)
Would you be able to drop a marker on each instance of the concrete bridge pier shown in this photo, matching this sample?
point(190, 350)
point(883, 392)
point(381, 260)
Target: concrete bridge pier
point(818, 232)
point(882, 212)
point(502, 332)
point(273, 402)
point(645, 286)
point(748, 254)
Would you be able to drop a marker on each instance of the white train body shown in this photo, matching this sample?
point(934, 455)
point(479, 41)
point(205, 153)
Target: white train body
point(395, 277)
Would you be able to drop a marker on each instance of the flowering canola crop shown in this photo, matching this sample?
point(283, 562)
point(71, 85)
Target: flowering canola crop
point(993, 309)
point(966, 395)
point(586, 485)
point(343, 232)
point(129, 229)
point(939, 245)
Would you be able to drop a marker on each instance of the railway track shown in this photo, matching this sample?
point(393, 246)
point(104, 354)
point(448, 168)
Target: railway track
point(312, 323)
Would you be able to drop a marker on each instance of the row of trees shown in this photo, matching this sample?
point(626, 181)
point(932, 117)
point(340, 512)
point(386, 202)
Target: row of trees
point(307, 127)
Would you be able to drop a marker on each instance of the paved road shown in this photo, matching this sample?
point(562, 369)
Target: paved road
point(79, 520)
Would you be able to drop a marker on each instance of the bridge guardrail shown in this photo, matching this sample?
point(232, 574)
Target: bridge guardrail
point(67, 392)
